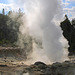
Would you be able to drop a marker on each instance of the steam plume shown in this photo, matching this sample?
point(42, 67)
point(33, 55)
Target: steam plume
point(38, 23)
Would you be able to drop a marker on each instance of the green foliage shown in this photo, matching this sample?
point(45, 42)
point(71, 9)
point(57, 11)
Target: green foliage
point(9, 27)
point(3, 41)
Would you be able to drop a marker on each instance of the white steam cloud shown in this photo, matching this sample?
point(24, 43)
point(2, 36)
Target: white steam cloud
point(38, 23)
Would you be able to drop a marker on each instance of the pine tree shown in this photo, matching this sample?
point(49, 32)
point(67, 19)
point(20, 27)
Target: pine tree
point(3, 11)
point(19, 10)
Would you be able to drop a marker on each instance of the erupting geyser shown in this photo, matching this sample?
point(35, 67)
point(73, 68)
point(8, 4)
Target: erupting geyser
point(38, 22)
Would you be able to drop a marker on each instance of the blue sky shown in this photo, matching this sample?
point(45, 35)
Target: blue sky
point(4, 1)
point(68, 6)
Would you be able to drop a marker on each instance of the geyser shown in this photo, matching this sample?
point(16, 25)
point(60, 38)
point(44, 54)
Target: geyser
point(38, 23)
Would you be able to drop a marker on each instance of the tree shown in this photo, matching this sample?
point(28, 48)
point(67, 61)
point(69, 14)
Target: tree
point(19, 10)
point(73, 22)
point(3, 11)
point(69, 33)
point(9, 13)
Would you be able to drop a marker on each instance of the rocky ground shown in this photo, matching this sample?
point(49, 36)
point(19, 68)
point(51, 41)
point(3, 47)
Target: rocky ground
point(38, 68)
point(65, 68)
point(10, 65)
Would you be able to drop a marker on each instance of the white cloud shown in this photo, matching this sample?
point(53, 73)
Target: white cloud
point(65, 4)
point(70, 12)
point(68, 8)
point(8, 7)
point(70, 0)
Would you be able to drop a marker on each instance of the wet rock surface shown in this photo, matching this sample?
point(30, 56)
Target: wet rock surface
point(65, 68)
point(39, 68)
point(10, 65)
point(12, 52)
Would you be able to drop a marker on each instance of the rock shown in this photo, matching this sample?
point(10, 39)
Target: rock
point(3, 65)
point(40, 65)
point(65, 68)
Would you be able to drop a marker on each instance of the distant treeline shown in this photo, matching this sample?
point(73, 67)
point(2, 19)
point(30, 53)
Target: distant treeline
point(9, 27)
